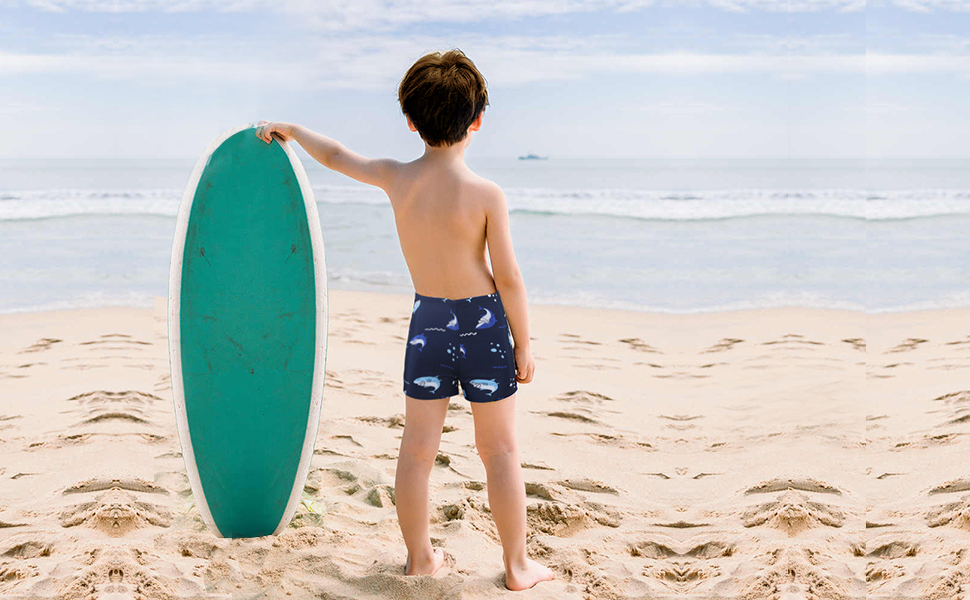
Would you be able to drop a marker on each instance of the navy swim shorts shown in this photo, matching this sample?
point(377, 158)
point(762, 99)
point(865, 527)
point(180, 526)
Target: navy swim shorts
point(452, 341)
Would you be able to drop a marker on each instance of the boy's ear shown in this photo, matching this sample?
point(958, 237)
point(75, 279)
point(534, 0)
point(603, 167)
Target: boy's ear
point(477, 123)
point(410, 124)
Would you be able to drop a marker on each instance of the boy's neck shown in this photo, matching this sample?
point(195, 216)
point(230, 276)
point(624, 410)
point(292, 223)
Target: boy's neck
point(454, 153)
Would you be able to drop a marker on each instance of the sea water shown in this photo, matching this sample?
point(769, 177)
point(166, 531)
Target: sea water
point(662, 235)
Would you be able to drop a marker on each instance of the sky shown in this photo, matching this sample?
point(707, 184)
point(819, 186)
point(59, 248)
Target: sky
point(828, 79)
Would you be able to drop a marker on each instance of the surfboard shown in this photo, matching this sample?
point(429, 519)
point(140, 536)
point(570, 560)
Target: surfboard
point(247, 331)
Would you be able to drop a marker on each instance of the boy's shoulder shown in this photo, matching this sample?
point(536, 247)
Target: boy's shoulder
point(481, 187)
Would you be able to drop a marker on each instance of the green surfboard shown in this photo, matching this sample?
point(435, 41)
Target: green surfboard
point(247, 328)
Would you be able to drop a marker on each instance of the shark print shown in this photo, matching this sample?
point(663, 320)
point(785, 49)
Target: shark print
point(417, 303)
point(453, 323)
point(486, 320)
point(420, 341)
point(489, 386)
point(433, 383)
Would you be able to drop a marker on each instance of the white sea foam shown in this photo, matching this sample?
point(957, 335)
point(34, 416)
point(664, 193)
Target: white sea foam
point(657, 205)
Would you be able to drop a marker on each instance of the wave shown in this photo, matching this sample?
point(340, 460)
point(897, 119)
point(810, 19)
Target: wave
point(660, 205)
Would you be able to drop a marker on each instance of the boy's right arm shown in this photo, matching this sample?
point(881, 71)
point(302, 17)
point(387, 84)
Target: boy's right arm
point(332, 154)
point(508, 281)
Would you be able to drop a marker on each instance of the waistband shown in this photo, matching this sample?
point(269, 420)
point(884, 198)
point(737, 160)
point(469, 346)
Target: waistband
point(494, 294)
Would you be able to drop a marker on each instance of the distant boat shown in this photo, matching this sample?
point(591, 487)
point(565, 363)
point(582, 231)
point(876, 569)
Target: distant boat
point(533, 157)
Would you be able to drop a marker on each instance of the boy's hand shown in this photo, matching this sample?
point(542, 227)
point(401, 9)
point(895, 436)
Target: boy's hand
point(265, 131)
point(525, 365)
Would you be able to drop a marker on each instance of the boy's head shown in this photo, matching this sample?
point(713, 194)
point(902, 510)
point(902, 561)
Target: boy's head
point(443, 94)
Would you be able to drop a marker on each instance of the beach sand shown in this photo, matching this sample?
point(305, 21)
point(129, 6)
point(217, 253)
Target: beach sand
point(761, 454)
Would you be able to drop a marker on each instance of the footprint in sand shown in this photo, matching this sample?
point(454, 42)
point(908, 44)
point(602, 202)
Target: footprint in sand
point(894, 549)
point(5, 421)
point(41, 345)
point(116, 513)
point(927, 441)
point(724, 345)
point(589, 485)
point(856, 343)
point(708, 550)
point(792, 340)
point(681, 422)
point(100, 484)
point(805, 485)
point(471, 512)
point(62, 440)
point(953, 514)
point(115, 341)
point(793, 513)
point(565, 520)
point(639, 345)
point(907, 345)
point(395, 421)
point(681, 570)
point(570, 415)
point(101, 397)
point(583, 397)
point(956, 408)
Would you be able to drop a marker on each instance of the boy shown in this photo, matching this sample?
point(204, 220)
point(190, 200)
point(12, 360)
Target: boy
point(446, 215)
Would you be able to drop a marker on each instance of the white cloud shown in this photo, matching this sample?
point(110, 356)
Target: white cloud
point(886, 64)
point(789, 5)
point(128, 6)
point(341, 15)
point(376, 62)
point(800, 44)
point(931, 5)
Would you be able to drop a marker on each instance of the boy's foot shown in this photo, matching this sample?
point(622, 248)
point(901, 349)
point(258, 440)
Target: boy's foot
point(428, 567)
point(526, 576)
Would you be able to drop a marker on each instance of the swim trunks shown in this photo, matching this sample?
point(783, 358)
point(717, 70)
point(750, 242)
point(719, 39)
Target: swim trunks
point(452, 341)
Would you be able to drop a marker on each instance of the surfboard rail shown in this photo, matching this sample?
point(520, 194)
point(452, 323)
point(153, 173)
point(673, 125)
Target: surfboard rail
point(174, 332)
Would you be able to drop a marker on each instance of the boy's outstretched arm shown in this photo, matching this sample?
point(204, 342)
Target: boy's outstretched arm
point(332, 154)
point(508, 281)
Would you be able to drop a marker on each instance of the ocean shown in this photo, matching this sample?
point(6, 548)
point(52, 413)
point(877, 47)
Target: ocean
point(676, 236)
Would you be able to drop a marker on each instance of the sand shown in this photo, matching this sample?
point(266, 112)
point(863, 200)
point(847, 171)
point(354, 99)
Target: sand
point(762, 454)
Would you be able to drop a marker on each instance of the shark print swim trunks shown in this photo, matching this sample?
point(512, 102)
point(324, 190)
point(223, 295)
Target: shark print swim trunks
point(452, 341)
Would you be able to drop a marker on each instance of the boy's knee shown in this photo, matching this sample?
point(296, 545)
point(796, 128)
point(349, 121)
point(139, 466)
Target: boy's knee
point(419, 451)
point(489, 447)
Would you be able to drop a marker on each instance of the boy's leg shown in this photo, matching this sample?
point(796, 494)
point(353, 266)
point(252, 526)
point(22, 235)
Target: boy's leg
point(499, 451)
point(423, 420)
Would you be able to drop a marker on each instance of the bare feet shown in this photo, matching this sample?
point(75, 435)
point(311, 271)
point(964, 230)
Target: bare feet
point(523, 577)
point(428, 566)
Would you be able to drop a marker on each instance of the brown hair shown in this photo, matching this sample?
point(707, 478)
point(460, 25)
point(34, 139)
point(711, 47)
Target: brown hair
point(442, 94)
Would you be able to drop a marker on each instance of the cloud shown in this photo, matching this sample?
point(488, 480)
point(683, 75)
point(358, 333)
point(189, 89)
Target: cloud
point(377, 62)
point(789, 5)
point(799, 44)
point(340, 15)
point(932, 5)
point(888, 64)
point(130, 6)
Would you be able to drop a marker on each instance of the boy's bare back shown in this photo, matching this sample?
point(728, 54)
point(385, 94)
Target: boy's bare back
point(441, 210)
